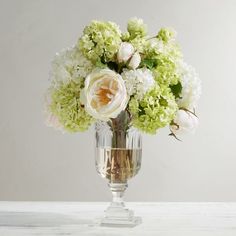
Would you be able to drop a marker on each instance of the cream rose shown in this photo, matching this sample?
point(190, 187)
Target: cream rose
point(104, 94)
point(184, 122)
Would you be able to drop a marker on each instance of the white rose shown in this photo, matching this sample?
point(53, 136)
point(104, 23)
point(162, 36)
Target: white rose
point(104, 94)
point(184, 122)
point(135, 61)
point(125, 52)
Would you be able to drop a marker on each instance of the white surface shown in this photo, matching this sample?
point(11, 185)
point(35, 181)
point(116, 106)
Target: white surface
point(164, 219)
point(38, 163)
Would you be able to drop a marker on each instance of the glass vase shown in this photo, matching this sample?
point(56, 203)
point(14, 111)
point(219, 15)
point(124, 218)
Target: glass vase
point(118, 158)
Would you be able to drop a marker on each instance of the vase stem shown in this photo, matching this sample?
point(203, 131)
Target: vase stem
point(117, 190)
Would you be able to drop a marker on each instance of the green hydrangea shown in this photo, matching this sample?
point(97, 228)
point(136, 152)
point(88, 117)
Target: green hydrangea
point(166, 71)
point(125, 36)
point(100, 41)
point(156, 110)
point(155, 47)
point(163, 60)
point(65, 104)
point(136, 28)
point(166, 34)
point(139, 44)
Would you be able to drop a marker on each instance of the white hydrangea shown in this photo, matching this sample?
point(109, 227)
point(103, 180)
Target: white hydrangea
point(70, 64)
point(191, 87)
point(169, 49)
point(157, 45)
point(138, 82)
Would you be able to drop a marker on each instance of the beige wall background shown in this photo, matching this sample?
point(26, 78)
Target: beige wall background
point(38, 163)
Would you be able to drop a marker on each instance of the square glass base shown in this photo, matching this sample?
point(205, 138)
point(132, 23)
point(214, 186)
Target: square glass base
point(119, 217)
point(129, 223)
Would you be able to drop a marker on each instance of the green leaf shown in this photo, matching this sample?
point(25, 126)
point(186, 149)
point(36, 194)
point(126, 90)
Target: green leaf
point(112, 65)
point(149, 63)
point(99, 64)
point(141, 111)
point(163, 102)
point(176, 89)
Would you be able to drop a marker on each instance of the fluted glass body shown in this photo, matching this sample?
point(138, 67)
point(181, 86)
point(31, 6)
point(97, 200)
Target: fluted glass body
point(118, 158)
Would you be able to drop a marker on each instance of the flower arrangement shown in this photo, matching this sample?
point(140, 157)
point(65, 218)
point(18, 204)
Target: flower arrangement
point(108, 71)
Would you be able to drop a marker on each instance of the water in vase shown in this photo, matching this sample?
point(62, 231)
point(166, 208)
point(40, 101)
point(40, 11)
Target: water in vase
point(118, 164)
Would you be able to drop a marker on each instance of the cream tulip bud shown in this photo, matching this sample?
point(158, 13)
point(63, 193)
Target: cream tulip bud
point(125, 52)
point(135, 61)
point(184, 122)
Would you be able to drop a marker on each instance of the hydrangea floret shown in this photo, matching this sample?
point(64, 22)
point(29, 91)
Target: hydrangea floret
point(65, 104)
point(155, 110)
point(100, 41)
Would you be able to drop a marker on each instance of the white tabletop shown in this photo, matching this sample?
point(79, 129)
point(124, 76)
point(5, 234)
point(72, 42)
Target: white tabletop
point(63, 218)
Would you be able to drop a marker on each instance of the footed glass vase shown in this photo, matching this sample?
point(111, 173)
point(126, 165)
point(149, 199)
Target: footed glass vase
point(118, 158)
